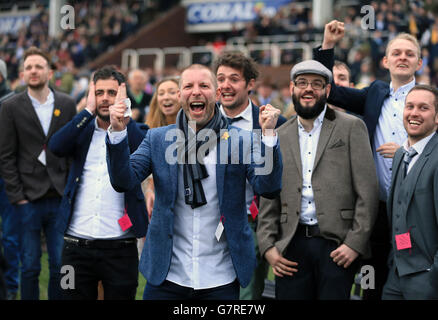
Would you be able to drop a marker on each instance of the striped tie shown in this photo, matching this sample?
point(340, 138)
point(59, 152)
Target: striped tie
point(409, 155)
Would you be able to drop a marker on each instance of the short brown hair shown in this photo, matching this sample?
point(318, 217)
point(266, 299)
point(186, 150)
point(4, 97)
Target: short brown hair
point(431, 89)
point(238, 61)
point(36, 51)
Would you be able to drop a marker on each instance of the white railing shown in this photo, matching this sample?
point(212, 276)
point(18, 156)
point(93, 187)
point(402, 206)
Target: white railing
point(188, 55)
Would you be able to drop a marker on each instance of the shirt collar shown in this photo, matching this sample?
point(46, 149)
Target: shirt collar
point(420, 145)
point(246, 114)
point(403, 90)
point(50, 99)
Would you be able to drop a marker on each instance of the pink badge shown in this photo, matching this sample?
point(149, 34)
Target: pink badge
point(403, 241)
point(124, 222)
point(254, 210)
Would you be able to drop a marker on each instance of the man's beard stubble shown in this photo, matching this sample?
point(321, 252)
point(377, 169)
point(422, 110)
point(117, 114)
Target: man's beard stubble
point(309, 112)
point(101, 116)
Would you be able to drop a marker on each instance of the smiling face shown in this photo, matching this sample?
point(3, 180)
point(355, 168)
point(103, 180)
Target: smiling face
point(402, 60)
point(198, 94)
point(420, 118)
point(234, 89)
point(106, 92)
point(167, 98)
point(309, 102)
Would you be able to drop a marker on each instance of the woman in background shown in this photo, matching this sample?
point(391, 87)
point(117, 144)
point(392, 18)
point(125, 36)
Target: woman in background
point(163, 109)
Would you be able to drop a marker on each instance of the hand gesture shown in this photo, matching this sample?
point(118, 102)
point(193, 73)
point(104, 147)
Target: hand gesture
point(387, 150)
point(280, 265)
point(268, 117)
point(333, 32)
point(117, 110)
point(91, 98)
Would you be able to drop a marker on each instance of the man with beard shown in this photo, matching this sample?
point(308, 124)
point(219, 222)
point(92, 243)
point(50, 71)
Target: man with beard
point(100, 225)
point(314, 232)
point(34, 177)
point(199, 244)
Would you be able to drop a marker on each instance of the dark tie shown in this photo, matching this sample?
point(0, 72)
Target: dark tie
point(409, 155)
point(232, 120)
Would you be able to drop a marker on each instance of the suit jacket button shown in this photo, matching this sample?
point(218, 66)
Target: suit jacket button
point(77, 179)
point(170, 236)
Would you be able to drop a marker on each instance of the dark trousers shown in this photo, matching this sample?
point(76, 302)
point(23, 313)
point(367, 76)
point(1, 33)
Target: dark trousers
point(172, 291)
point(318, 277)
point(117, 268)
point(416, 286)
point(380, 246)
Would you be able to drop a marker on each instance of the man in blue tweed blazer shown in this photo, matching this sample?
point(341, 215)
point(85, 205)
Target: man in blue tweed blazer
point(199, 244)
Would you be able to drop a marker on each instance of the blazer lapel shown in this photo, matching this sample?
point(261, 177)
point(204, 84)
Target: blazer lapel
point(415, 171)
point(172, 171)
point(221, 169)
point(255, 116)
point(293, 145)
point(324, 137)
point(57, 109)
point(29, 110)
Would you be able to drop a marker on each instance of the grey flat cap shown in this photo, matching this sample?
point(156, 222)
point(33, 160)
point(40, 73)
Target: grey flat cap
point(311, 67)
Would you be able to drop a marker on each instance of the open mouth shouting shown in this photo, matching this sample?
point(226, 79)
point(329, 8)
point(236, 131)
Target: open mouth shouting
point(197, 108)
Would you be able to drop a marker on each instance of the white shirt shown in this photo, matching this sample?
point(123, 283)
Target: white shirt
point(245, 124)
point(419, 147)
point(308, 147)
point(97, 207)
point(199, 261)
point(390, 129)
point(44, 110)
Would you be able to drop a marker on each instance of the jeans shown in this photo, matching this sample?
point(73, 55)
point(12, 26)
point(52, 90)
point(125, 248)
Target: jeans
point(172, 291)
point(10, 240)
point(36, 216)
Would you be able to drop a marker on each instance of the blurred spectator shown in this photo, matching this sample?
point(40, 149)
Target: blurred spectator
point(137, 80)
point(283, 99)
point(264, 92)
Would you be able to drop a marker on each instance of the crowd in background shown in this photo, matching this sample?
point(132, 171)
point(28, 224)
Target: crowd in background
point(99, 25)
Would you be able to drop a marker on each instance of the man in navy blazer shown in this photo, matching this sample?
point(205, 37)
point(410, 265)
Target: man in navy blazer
point(381, 105)
point(100, 225)
point(199, 244)
point(236, 75)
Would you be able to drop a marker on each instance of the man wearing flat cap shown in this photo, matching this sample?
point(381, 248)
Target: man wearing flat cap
point(314, 233)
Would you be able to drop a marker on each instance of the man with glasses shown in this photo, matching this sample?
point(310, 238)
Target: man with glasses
point(314, 233)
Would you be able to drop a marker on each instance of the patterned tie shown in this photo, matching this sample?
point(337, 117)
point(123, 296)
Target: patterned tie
point(232, 120)
point(409, 154)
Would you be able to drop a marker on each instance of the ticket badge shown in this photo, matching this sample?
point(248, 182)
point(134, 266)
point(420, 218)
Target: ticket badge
point(219, 229)
point(124, 222)
point(403, 241)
